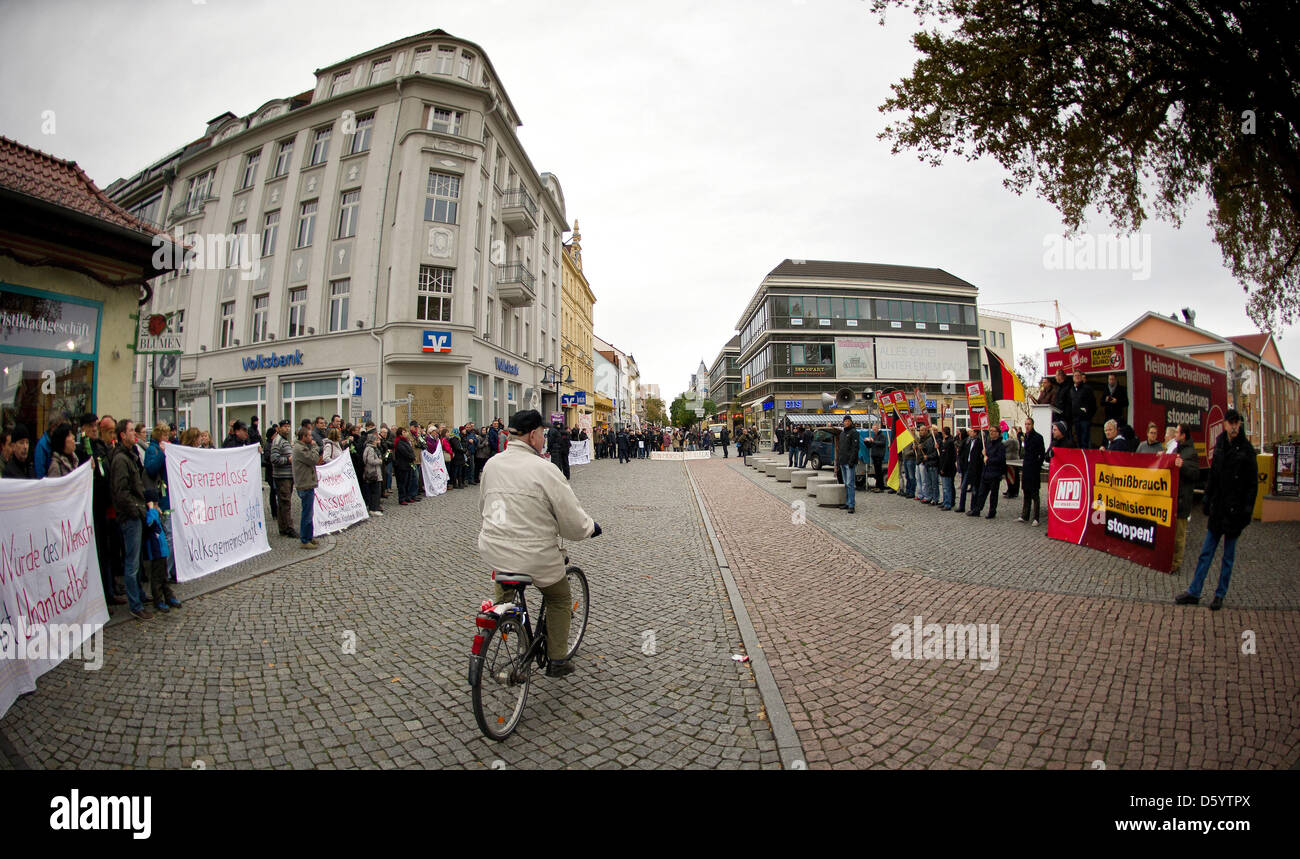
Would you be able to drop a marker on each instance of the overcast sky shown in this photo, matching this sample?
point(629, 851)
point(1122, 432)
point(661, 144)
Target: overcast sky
point(698, 143)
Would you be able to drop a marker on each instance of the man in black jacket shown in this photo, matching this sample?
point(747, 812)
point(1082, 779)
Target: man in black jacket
point(878, 444)
point(1083, 405)
point(1114, 400)
point(1229, 502)
point(557, 445)
point(1188, 474)
point(970, 480)
point(1032, 453)
point(724, 438)
point(126, 483)
point(947, 468)
point(846, 460)
point(995, 465)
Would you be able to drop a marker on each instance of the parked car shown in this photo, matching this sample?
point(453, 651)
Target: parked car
point(821, 453)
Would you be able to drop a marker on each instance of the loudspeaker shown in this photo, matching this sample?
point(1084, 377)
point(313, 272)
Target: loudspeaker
point(844, 398)
point(828, 402)
point(869, 395)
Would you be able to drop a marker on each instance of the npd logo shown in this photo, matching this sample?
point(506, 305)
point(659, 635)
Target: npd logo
point(1069, 494)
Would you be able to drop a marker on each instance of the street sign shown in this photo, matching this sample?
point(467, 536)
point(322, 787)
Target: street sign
point(152, 336)
point(405, 401)
point(189, 391)
point(356, 386)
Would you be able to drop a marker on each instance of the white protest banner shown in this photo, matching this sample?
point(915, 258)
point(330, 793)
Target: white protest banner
point(51, 597)
point(338, 497)
point(216, 501)
point(580, 452)
point(435, 471)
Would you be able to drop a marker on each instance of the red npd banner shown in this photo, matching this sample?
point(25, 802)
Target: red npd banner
point(1124, 504)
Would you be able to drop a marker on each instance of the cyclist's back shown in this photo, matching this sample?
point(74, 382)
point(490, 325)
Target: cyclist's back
point(526, 505)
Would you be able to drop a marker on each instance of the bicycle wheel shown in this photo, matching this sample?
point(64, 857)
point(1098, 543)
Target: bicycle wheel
point(502, 687)
point(579, 600)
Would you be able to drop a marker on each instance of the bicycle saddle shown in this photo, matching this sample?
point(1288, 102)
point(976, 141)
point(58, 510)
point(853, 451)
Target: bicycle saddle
point(505, 579)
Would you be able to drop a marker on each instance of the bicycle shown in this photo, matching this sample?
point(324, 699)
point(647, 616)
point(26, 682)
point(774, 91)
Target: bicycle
point(506, 650)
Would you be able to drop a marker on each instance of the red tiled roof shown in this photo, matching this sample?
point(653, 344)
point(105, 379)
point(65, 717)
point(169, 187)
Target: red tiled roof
point(1252, 343)
point(36, 174)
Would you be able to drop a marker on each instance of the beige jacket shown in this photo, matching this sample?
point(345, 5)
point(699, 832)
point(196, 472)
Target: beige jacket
point(525, 503)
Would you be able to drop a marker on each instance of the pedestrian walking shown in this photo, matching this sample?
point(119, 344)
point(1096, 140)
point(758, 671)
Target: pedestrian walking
point(846, 461)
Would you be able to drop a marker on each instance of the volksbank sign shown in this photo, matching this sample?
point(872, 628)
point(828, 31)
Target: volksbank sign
point(272, 361)
point(505, 366)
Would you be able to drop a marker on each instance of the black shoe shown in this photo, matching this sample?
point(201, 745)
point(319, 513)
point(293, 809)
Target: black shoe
point(990, 516)
point(1186, 599)
point(559, 668)
point(850, 509)
point(973, 513)
point(1216, 603)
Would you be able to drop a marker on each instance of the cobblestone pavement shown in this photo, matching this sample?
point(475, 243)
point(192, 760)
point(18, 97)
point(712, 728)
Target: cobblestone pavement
point(897, 533)
point(254, 675)
point(1089, 669)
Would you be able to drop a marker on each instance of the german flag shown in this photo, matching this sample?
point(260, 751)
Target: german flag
point(1003, 384)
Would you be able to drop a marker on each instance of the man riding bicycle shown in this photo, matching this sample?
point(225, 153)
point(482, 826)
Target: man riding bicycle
point(527, 505)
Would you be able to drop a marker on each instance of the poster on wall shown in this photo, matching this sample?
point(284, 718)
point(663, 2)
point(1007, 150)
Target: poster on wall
point(906, 358)
point(338, 497)
point(1120, 503)
point(51, 596)
point(855, 358)
point(1284, 474)
point(216, 502)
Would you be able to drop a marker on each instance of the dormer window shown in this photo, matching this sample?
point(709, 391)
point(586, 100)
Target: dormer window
point(420, 63)
point(466, 64)
point(446, 57)
point(381, 70)
point(340, 82)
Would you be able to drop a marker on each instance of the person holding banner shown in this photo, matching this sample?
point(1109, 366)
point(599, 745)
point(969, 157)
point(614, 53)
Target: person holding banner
point(306, 456)
point(1230, 503)
point(994, 466)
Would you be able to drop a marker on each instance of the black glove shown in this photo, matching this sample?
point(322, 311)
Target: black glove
point(596, 531)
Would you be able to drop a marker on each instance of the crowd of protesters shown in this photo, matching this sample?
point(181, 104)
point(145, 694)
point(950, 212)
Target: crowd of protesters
point(966, 470)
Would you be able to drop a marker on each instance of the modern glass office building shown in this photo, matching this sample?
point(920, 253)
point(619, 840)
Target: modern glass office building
point(814, 327)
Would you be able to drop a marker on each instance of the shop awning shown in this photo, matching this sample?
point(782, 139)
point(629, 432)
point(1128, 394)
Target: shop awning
point(830, 419)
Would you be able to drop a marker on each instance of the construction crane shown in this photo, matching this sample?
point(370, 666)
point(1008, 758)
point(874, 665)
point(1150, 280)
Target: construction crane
point(1032, 320)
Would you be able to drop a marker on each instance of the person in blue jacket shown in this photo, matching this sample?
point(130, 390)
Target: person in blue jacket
point(155, 551)
point(155, 478)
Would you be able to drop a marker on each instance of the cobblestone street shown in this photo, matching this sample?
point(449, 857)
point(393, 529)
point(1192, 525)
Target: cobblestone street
point(254, 675)
point(1095, 664)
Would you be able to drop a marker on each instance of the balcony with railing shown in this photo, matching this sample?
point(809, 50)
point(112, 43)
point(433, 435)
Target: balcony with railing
point(519, 212)
point(516, 286)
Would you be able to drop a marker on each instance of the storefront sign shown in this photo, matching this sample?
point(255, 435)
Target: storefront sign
point(51, 596)
point(578, 398)
point(436, 341)
point(505, 366)
point(338, 497)
point(272, 361)
point(190, 391)
point(44, 321)
point(1120, 503)
point(810, 370)
point(153, 338)
point(794, 404)
point(216, 501)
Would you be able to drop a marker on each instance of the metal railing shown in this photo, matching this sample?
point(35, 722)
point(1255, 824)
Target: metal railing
point(521, 198)
point(515, 272)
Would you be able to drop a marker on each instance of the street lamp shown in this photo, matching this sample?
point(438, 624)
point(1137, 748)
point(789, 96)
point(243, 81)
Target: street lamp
point(551, 376)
